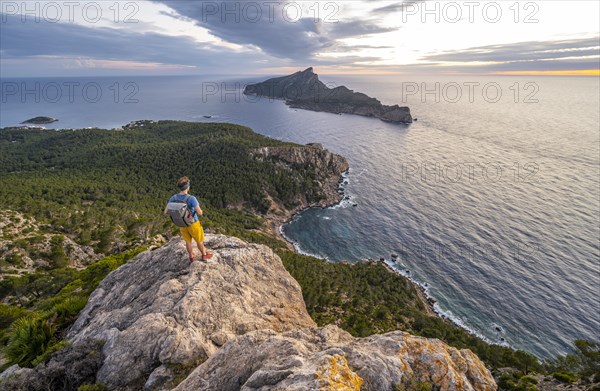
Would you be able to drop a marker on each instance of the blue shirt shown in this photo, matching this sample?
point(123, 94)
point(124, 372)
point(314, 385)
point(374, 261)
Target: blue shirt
point(192, 203)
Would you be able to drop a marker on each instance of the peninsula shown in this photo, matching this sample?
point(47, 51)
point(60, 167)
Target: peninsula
point(304, 90)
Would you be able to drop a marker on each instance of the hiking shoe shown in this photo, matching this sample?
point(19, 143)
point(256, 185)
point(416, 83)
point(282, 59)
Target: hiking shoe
point(207, 256)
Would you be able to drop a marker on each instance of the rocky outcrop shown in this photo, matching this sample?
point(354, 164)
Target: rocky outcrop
point(328, 358)
point(159, 310)
point(324, 166)
point(27, 245)
point(327, 168)
point(236, 323)
point(304, 90)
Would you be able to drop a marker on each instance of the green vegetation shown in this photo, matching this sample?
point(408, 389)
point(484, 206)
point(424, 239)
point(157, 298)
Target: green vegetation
point(103, 188)
point(517, 382)
point(92, 387)
point(565, 377)
point(49, 304)
point(76, 366)
point(583, 363)
point(181, 372)
point(411, 384)
point(30, 337)
point(100, 186)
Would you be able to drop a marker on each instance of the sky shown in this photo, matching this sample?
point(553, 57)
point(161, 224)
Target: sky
point(97, 38)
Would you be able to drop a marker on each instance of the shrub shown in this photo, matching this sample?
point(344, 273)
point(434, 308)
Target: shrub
point(8, 314)
point(411, 384)
point(57, 254)
point(529, 379)
point(67, 370)
point(517, 382)
point(584, 361)
point(565, 377)
point(30, 337)
point(68, 309)
point(43, 358)
point(93, 387)
point(15, 259)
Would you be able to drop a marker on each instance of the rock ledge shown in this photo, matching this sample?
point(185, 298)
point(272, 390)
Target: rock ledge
point(236, 323)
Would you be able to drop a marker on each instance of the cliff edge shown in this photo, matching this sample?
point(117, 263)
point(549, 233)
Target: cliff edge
point(236, 323)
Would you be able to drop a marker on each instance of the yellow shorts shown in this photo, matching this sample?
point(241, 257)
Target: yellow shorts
point(194, 231)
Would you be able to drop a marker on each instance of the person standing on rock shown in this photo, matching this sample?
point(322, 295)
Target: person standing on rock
point(184, 210)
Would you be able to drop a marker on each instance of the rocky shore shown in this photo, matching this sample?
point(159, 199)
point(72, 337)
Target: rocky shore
point(328, 169)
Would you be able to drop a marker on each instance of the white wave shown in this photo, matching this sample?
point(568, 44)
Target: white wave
point(297, 247)
point(403, 271)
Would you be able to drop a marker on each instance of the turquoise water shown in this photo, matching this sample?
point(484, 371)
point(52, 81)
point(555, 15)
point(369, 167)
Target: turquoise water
point(493, 204)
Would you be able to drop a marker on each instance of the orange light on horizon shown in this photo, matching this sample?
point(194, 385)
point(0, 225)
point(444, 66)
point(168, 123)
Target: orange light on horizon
point(578, 72)
point(378, 71)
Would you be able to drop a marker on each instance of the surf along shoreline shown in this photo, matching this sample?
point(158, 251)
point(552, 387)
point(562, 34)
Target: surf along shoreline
point(277, 224)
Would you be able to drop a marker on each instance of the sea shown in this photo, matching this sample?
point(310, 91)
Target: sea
point(490, 200)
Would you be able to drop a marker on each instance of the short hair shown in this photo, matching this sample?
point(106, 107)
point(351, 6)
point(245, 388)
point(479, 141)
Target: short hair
point(183, 181)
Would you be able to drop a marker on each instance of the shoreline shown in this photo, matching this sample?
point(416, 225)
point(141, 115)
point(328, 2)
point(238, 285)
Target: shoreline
point(294, 213)
point(430, 302)
point(425, 298)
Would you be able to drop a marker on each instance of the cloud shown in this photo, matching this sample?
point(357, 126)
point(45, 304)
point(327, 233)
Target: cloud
point(522, 51)
point(357, 28)
point(47, 41)
point(56, 39)
point(343, 48)
point(255, 27)
point(68, 48)
point(275, 30)
point(396, 7)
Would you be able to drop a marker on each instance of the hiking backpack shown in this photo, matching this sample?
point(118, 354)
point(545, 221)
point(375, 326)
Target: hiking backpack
point(180, 213)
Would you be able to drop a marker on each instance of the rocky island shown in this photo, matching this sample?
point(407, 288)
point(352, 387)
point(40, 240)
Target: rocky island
point(40, 120)
point(304, 90)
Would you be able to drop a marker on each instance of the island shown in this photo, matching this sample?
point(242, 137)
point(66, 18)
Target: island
point(40, 120)
point(304, 90)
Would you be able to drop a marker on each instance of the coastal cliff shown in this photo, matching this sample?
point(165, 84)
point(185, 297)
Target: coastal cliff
point(325, 169)
point(238, 322)
point(304, 90)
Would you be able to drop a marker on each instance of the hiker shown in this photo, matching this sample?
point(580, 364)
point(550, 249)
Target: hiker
point(184, 210)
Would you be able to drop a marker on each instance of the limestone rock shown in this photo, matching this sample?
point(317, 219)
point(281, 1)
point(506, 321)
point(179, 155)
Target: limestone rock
point(328, 358)
point(14, 371)
point(236, 323)
point(327, 167)
point(160, 309)
point(158, 378)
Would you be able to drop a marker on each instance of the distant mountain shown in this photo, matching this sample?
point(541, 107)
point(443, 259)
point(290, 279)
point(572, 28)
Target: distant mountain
point(304, 90)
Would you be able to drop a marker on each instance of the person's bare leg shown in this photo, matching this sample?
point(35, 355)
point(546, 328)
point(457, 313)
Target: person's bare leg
point(201, 248)
point(190, 249)
point(205, 254)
